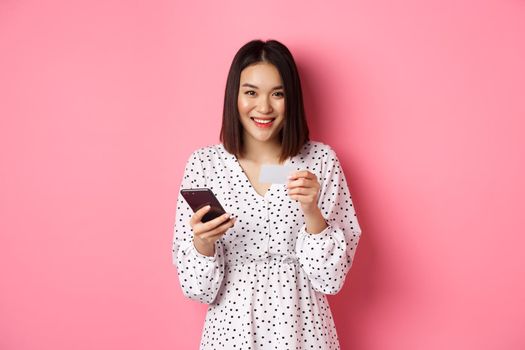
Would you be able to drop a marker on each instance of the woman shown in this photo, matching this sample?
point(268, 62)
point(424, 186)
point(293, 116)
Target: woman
point(265, 273)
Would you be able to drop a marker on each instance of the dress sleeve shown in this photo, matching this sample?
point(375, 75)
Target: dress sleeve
point(200, 276)
point(326, 257)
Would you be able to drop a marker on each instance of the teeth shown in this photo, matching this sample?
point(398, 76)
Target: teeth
point(262, 121)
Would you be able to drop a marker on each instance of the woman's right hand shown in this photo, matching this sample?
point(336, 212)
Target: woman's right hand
point(205, 234)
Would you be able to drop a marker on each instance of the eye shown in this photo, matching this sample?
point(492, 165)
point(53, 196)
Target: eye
point(250, 92)
point(279, 94)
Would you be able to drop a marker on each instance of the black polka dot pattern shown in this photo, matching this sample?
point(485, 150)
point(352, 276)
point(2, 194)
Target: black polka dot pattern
point(266, 285)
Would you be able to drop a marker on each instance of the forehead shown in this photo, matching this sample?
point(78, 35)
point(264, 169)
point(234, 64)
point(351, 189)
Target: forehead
point(261, 74)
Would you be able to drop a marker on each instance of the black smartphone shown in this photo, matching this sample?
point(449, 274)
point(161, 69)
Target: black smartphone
point(201, 197)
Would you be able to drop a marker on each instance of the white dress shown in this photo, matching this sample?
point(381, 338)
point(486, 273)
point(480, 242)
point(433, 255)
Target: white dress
point(267, 281)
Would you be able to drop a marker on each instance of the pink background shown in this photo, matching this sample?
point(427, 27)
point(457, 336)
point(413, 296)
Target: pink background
point(101, 103)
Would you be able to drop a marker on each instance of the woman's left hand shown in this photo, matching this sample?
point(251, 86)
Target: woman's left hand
point(303, 186)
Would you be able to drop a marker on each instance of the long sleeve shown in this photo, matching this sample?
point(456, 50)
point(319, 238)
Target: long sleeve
point(326, 257)
point(200, 276)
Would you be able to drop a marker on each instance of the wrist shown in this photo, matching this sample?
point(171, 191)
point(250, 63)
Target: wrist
point(203, 248)
point(315, 221)
point(311, 211)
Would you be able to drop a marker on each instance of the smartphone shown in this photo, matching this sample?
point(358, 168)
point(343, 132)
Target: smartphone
point(201, 197)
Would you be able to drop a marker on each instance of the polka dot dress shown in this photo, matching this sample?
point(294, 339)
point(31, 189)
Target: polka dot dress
point(266, 285)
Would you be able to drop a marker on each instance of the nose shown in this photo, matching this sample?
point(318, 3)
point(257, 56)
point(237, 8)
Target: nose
point(264, 106)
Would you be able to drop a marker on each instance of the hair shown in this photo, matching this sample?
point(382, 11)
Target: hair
point(294, 133)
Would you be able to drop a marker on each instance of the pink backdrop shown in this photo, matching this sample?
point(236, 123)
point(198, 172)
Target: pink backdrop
point(101, 103)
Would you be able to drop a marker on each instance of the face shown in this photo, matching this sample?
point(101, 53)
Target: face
point(261, 102)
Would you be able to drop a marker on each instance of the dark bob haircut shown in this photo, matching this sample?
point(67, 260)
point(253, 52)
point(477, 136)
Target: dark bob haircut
point(294, 133)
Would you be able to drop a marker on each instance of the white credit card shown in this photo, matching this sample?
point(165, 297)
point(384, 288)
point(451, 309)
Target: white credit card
point(275, 174)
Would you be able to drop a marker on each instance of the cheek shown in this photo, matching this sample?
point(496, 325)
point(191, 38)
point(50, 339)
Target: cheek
point(281, 108)
point(243, 105)
point(279, 104)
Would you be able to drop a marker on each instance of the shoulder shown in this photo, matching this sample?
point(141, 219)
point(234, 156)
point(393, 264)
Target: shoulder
point(205, 159)
point(321, 157)
point(207, 152)
point(321, 146)
point(317, 150)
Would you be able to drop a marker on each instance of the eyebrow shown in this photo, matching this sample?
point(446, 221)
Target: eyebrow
point(255, 87)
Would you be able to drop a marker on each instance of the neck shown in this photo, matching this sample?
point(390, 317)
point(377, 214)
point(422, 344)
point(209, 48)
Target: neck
point(262, 151)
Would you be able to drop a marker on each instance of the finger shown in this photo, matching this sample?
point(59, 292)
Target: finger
point(301, 190)
point(298, 174)
point(301, 182)
point(219, 230)
point(202, 227)
point(306, 199)
point(210, 225)
point(302, 174)
point(199, 214)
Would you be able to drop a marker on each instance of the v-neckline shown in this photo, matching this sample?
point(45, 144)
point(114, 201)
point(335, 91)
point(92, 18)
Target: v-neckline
point(243, 173)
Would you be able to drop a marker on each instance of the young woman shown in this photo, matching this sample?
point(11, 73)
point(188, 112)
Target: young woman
point(265, 273)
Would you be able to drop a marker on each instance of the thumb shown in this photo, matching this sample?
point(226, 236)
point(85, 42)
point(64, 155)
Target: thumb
point(199, 214)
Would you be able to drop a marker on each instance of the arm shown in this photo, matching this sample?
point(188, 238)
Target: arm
point(200, 276)
point(326, 257)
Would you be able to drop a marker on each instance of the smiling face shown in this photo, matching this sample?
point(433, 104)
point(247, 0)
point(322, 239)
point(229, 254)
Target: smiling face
point(261, 103)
